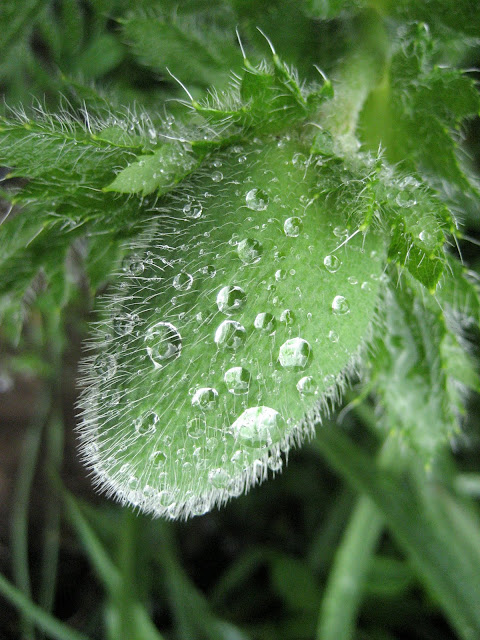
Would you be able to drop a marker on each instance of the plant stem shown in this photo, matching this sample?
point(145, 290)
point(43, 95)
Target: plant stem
point(50, 625)
point(19, 526)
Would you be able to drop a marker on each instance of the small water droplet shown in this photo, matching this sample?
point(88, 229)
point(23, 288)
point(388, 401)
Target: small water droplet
point(307, 386)
point(340, 306)
point(105, 366)
point(231, 299)
point(257, 200)
point(158, 458)
point(405, 199)
point(219, 478)
point(196, 427)
point(217, 163)
point(265, 322)
point(280, 274)
point(294, 354)
point(258, 426)
point(242, 159)
point(249, 250)
point(193, 210)
point(426, 237)
point(217, 176)
point(287, 316)
point(124, 323)
point(183, 281)
point(133, 265)
point(209, 271)
point(205, 398)
point(237, 380)
point(333, 336)
point(352, 280)
point(146, 424)
point(332, 263)
point(366, 286)
point(230, 335)
point(164, 343)
point(293, 227)
point(340, 232)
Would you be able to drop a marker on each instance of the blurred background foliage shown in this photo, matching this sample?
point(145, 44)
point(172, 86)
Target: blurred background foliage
point(335, 547)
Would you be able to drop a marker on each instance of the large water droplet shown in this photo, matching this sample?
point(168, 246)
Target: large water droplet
point(158, 458)
point(258, 427)
point(164, 343)
point(340, 306)
point(332, 263)
point(231, 299)
point(205, 398)
point(105, 365)
point(183, 281)
point(230, 335)
point(265, 322)
point(294, 354)
point(124, 323)
point(146, 424)
point(287, 316)
point(249, 250)
point(293, 227)
point(237, 380)
point(257, 200)
point(307, 386)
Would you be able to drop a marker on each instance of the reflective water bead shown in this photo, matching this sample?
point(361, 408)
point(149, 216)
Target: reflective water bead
point(332, 263)
point(230, 335)
point(124, 323)
point(133, 265)
point(193, 210)
point(352, 280)
point(307, 386)
point(158, 458)
point(257, 200)
point(231, 299)
point(164, 343)
point(105, 365)
point(196, 427)
point(217, 176)
point(294, 354)
point(183, 281)
point(265, 322)
point(146, 424)
point(237, 380)
point(205, 398)
point(258, 426)
point(249, 250)
point(292, 227)
point(333, 336)
point(219, 478)
point(340, 306)
point(287, 316)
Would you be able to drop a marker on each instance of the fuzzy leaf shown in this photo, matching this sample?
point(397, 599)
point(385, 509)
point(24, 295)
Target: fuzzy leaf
point(415, 114)
point(234, 324)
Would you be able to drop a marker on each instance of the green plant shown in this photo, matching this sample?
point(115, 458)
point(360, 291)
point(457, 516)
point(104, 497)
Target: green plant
point(266, 244)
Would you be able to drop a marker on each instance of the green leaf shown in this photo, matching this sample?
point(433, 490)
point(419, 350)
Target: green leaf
point(416, 112)
point(413, 372)
point(158, 172)
point(217, 351)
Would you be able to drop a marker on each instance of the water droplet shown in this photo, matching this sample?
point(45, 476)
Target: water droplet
point(209, 271)
point(183, 281)
point(105, 365)
point(164, 343)
point(265, 322)
point(242, 159)
point(205, 398)
point(405, 199)
point(230, 335)
point(217, 163)
point(258, 426)
point(165, 498)
point(133, 265)
point(426, 237)
point(124, 323)
point(146, 424)
point(352, 280)
point(332, 263)
point(219, 478)
point(158, 458)
point(287, 316)
point(294, 354)
point(366, 286)
point(196, 428)
point(293, 227)
point(280, 274)
point(307, 386)
point(193, 210)
point(231, 299)
point(257, 200)
point(275, 463)
point(249, 250)
point(340, 232)
point(217, 176)
point(333, 336)
point(340, 306)
point(237, 380)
